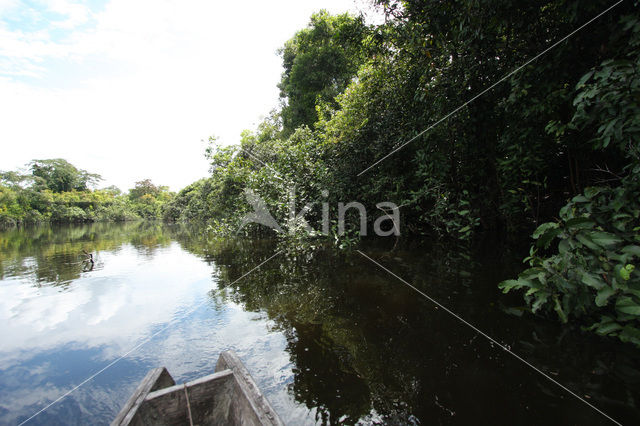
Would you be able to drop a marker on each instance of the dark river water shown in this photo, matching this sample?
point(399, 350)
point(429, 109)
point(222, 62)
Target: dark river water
point(329, 337)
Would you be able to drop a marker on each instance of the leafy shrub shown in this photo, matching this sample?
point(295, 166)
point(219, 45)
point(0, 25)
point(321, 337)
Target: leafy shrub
point(33, 217)
point(115, 212)
point(68, 214)
point(6, 221)
point(594, 273)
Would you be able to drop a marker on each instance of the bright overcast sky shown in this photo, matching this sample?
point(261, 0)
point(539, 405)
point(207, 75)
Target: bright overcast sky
point(130, 89)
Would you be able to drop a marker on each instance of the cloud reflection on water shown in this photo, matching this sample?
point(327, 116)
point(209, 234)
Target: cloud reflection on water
point(55, 336)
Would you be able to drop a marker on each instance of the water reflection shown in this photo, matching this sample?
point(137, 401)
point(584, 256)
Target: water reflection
point(56, 254)
point(329, 338)
point(62, 324)
point(365, 347)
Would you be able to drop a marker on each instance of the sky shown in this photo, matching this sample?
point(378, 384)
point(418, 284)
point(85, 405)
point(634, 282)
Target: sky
point(132, 89)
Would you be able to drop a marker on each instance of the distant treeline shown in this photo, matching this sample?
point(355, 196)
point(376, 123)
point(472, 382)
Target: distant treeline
point(56, 191)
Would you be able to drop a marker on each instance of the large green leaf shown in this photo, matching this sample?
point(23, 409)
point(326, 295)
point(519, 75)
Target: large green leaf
point(508, 285)
point(593, 281)
point(540, 299)
point(530, 274)
point(627, 305)
point(580, 222)
point(540, 230)
point(630, 334)
point(587, 241)
point(545, 240)
point(564, 247)
point(606, 326)
point(583, 80)
point(604, 239)
point(632, 249)
point(592, 191)
point(603, 296)
point(558, 308)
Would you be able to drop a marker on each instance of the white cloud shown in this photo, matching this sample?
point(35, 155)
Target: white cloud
point(7, 5)
point(99, 310)
point(133, 90)
point(75, 13)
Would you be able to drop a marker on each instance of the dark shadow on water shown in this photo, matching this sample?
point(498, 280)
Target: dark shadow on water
point(365, 346)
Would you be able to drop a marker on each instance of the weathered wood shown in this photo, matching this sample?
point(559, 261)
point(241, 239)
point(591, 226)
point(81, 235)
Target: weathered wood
point(229, 396)
point(250, 402)
point(155, 379)
point(211, 398)
point(186, 394)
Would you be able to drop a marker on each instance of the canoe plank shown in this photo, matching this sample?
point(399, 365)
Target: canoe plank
point(228, 396)
point(155, 379)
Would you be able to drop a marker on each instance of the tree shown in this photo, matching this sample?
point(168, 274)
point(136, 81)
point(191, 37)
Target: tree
point(59, 175)
point(319, 62)
point(113, 190)
point(147, 199)
point(145, 187)
point(14, 179)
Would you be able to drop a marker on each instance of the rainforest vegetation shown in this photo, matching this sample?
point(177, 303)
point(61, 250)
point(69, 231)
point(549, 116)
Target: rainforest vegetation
point(550, 149)
point(56, 191)
point(479, 119)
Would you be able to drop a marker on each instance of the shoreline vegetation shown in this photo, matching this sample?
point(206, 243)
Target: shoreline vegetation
point(553, 150)
point(56, 191)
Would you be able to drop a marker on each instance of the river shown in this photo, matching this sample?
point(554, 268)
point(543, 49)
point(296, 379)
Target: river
point(330, 337)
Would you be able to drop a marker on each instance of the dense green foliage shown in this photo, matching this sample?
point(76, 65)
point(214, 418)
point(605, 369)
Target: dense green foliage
point(501, 165)
point(57, 191)
point(593, 274)
point(147, 199)
point(319, 62)
point(563, 126)
point(59, 175)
